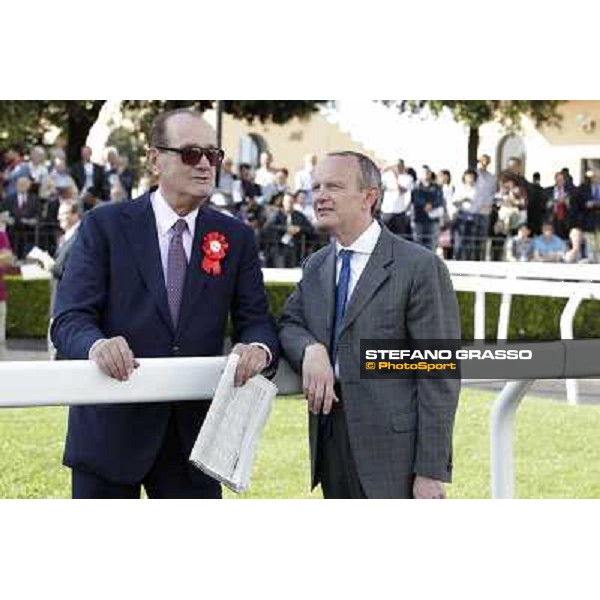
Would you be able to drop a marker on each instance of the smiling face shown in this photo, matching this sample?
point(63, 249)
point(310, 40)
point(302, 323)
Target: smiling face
point(185, 187)
point(342, 206)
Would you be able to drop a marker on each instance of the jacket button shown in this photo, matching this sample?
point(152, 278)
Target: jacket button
point(175, 350)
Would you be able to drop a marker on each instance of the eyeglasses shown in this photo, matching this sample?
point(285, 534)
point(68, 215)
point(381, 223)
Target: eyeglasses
point(192, 155)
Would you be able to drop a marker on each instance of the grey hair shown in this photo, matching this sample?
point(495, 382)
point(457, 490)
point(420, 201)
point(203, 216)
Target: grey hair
point(158, 130)
point(370, 175)
point(39, 150)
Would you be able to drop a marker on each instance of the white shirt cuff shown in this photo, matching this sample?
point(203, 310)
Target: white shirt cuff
point(96, 343)
point(266, 349)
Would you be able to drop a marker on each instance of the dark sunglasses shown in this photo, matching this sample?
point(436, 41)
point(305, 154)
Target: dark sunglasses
point(192, 155)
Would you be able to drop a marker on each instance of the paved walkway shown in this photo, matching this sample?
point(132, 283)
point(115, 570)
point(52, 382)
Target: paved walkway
point(589, 389)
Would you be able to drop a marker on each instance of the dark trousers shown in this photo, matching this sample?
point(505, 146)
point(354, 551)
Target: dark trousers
point(171, 476)
point(335, 463)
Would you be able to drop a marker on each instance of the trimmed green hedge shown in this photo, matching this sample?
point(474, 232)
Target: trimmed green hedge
point(530, 317)
point(28, 307)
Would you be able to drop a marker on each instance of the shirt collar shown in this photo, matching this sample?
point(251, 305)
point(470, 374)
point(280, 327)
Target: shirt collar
point(166, 217)
point(365, 243)
point(71, 232)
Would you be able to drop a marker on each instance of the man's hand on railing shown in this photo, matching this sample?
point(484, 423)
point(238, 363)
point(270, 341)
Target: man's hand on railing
point(253, 359)
point(114, 357)
point(428, 489)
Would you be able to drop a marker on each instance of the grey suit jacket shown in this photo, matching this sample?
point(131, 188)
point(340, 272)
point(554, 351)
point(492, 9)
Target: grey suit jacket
point(397, 428)
point(62, 255)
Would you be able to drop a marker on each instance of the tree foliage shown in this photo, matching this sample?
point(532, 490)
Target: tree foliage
point(25, 122)
point(475, 113)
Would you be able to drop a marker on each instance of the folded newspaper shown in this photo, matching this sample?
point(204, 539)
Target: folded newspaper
point(227, 442)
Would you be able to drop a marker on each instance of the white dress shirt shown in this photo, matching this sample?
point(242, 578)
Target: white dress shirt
point(394, 201)
point(88, 169)
point(69, 233)
point(362, 249)
point(166, 217)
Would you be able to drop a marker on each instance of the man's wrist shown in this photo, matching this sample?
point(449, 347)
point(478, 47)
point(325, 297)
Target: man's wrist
point(314, 347)
point(94, 346)
point(266, 349)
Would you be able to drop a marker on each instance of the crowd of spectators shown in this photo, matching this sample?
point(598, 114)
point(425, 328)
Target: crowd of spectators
point(480, 217)
point(489, 218)
point(33, 186)
point(279, 211)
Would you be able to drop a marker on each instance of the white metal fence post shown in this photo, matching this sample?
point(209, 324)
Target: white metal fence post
point(566, 333)
point(502, 428)
point(479, 315)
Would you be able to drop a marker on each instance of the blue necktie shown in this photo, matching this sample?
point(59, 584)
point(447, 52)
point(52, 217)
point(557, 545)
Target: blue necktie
point(341, 299)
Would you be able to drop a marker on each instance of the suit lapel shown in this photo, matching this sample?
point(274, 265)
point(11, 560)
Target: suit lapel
point(139, 225)
point(196, 279)
point(327, 278)
point(373, 276)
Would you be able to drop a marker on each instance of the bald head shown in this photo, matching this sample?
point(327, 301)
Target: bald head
point(173, 123)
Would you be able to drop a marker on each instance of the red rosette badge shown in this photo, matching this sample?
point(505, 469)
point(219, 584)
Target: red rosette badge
point(214, 246)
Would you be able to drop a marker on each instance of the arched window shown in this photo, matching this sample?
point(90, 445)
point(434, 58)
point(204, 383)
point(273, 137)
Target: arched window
point(251, 145)
point(510, 145)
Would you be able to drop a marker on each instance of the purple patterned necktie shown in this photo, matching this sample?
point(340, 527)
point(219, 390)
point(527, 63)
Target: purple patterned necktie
point(176, 267)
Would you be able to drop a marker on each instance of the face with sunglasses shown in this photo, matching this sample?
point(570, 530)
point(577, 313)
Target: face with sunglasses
point(186, 164)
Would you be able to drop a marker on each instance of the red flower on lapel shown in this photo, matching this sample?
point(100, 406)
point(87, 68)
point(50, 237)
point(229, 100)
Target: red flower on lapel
point(214, 246)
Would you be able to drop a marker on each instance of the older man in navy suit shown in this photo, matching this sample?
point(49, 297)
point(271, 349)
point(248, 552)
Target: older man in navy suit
point(158, 277)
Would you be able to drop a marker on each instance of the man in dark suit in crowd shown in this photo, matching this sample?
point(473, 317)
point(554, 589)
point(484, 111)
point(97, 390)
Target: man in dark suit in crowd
point(158, 277)
point(87, 174)
point(560, 205)
point(24, 210)
point(369, 438)
point(69, 220)
point(586, 214)
point(286, 233)
point(534, 196)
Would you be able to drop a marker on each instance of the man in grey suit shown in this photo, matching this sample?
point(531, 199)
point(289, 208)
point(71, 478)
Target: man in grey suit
point(369, 438)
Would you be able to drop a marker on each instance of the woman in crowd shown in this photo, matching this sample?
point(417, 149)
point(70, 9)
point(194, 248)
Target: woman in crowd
point(6, 259)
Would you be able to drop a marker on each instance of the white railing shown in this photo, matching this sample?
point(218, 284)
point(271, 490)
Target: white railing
point(574, 282)
point(75, 382)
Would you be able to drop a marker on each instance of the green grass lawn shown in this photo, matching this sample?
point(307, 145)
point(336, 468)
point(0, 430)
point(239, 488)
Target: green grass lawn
point(557, 451)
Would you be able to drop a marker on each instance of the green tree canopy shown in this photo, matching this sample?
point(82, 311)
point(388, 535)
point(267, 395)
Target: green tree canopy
point(25, 122)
